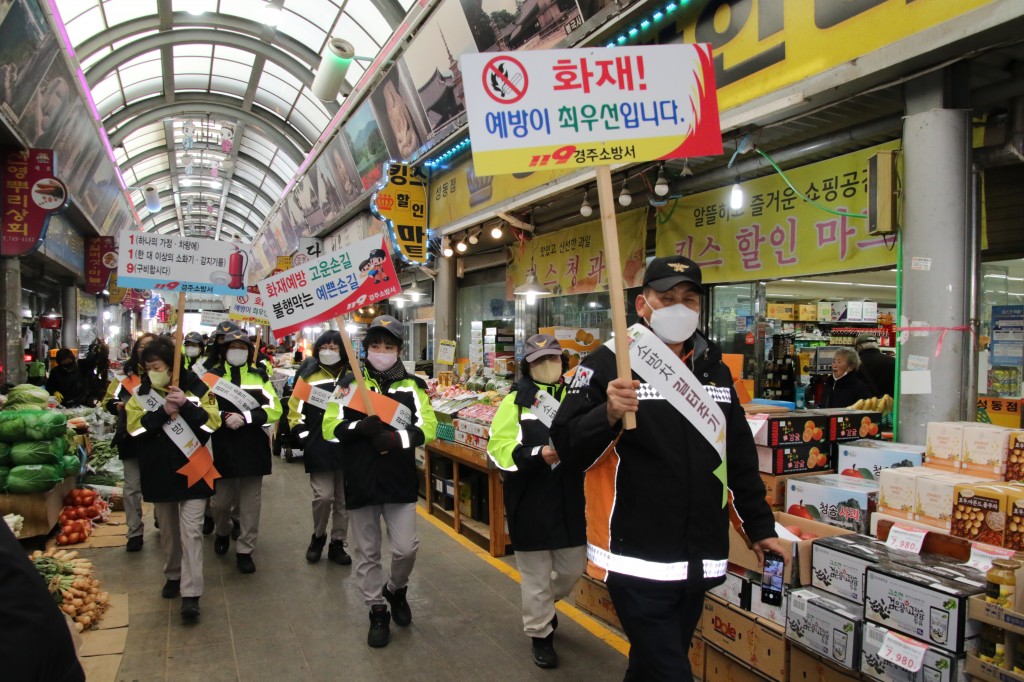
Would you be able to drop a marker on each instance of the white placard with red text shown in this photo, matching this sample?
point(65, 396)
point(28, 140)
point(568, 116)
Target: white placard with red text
point(338, 283)
point(247, 308)
point(982, 556)
point(906, 538)
point(903, 651)
point(181, 264)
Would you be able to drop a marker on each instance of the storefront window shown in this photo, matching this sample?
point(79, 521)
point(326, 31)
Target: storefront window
point(480, 302)
point(732, 323)
point(584, 311)
point(1001, 361)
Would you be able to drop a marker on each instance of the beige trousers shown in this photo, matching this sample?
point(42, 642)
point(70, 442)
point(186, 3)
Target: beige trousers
point(181, 538)
point(329, 504)
point(547, 576)
point(244, 494)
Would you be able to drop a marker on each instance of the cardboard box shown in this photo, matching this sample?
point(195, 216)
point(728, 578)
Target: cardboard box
point(775, 614)
point(839, 564)
point(742, 635)
point(775, 488)
point(735, 590)
point(807, 667)
point(798, 566)
point(922, 605)
point(826, 625)
point(473, 428)
point(1015, 457)
point(846, 425)
point(718, 667)
point(794, 459)
point(935, 495)
point(938, 665)
point(444, 492)
point(789, 428)
point(1015, 520)
point(840, 501)
point(979, 513)
point(807, 312)
point(897, 490)
point(981, 671)
point(591, 596)
point(40, 510)
point(466, 498)
point(781, 311)
point(867, 458)
point(985, 451)
point(697, 656)
point(944, 443)
point(469, 440)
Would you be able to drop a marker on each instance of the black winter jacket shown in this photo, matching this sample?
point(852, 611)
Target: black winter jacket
point(243, 452)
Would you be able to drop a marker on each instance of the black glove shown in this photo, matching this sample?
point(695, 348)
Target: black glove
point(370, 427)
point(386, 441)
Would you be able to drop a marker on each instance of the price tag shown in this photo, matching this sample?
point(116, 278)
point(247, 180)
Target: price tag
point(903, 652)
point(906, 538)
point(983, 555)
point(446, 352)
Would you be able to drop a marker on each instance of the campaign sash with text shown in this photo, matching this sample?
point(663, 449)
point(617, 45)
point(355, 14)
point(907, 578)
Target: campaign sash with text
point(314, 395)
point(235, 395)
point(200, 461)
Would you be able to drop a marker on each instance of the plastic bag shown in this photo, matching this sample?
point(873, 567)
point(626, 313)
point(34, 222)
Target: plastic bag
point(17, 426)
point(39, 452)
point(26, 397)
point(34, 478)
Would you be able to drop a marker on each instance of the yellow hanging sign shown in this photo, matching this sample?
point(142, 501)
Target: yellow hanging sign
point(401, 202)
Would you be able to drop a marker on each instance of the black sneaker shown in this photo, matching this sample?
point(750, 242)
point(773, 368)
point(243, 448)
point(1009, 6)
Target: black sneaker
point(190, 608)
point(245, 563)
point(316, 548)
point(236, 530)
point(544, 651)
point(399, 606)
point(336, 553)
point(134, 544)
point(380, 627)
point(172, 588)
point(220, 544)
point(207, 525)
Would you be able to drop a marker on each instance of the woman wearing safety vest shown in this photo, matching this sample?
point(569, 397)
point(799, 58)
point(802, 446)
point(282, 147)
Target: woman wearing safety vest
point(322, 460)
point(192, 348)
point(119, 393)
point(543, 497)
point(177, 476)
point(241, 449)
point(380, 472)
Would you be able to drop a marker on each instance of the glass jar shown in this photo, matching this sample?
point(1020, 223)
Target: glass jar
point(992, 648)
point(1001, 583)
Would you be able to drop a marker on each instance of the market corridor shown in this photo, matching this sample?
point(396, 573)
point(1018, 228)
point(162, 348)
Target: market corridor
point(295, 621)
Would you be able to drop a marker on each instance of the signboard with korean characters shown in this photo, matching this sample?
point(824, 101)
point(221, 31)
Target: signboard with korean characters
point(333, 285)
point(401, 202)
point(100, 261)
point(246, 308)
point(538, 109)
point(30, 194)
point(181, 264)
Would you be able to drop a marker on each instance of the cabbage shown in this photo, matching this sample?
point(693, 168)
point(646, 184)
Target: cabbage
point(22, 425)
point(5, 455)
point(39, 452)
point(26, 397)
point(34, 478)
point(72, 465)
point(4, 471)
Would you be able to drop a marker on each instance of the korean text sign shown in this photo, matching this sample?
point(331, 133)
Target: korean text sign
point(777, 234)
point(199, 266)
point(29, 195)
point(247, 308)
point(401, 202)
point(100, 261)
point(531, 110)
point(333, 285)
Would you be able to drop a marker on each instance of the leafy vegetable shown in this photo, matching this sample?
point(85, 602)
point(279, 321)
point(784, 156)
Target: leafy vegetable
point(26, 397)
point(34, 478)
point(72, 465)
point(102, 452)
point(21, 425)
point(39, 452)
point(4, 472)
point(5, 455)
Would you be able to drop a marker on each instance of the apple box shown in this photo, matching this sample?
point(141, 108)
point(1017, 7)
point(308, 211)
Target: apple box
point(826, 625)
point(775, 488)
point(837, 500)
point(794, 459)
point(866, 458)
point(789, 428)
point(937, 666)
point(797, 553)
point(739, 633)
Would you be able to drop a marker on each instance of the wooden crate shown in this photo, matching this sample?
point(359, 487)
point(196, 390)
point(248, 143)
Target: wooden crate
point(41, 510)
point(592, 597)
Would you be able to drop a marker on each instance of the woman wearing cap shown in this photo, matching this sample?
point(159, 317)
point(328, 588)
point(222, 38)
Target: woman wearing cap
point(322, 460)
point(844, 387)
point(179, 505)
point(380, 475)
point(543, 501)
point(191, 349)
point(119, 393)
point(241, 449)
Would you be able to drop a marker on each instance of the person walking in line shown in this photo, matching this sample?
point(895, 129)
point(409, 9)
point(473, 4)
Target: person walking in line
point(381, 480)
point(241, 449)
point(657, 512)
point(544, 502)
point(119, 394)
point(165, 423)
point(322, 460)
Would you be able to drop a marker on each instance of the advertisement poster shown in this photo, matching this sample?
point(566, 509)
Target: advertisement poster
point(30, 194)
point(100, 261)
point(27, 48)
point(199, 266)
point(364, 138)
point(401, 202)
point(395, 103)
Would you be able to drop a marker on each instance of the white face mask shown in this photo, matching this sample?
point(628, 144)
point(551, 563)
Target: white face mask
point(673, 323)
point(546, 371)
point(382, 361)
point(159, 379)
point(330, 357)
point(192, 351)
point(237, 356)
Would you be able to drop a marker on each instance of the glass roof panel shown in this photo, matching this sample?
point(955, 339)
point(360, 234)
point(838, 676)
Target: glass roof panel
point(81, 21)
point(283, 166)
point(228, 86)
point(121, 43)
point(257, 150)
point(229, 68)
point(306, 32)
point(120, 11)
point(369, 18)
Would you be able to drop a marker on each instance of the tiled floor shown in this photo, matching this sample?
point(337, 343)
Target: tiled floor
point(293, 621)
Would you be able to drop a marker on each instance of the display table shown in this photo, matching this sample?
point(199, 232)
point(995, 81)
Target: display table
point(493, 537)
point(40, 510)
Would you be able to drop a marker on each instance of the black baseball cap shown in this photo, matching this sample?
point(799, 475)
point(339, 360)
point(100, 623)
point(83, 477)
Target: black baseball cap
point(389, 324)
point(539, 345)
point(664, 273)
point(194, 337)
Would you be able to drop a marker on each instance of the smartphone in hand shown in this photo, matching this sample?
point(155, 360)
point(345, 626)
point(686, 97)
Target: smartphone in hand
point(772, 579)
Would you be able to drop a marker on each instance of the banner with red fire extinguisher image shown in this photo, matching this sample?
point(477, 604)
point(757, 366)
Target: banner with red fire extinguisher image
point(191, 266)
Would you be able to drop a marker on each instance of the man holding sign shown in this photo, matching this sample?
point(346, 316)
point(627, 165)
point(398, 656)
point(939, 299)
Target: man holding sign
point(380, 470)
point(657, 516)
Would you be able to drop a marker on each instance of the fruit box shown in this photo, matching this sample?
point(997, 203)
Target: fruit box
point(794, 459)
point(979, 512)
point(937, 666)
point(944, 442)
point(789, 428)
point(897, 490)
point(718, 667)
point(739, 633)
point(985, 451)
point(1015, 520)
point(923, 605)
point(826, 625)
point(839, 501)
point(696, 655)
point(775, 614)
point(735, 590)
point(1015, 457)
point(775, 488)
point(807, 667)
point(866, 458)
point(845, 425)
point(935, 495)
point(798, 553)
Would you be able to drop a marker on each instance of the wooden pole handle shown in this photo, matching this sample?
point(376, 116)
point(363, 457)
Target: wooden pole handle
point(256, 346)
point(353, 362)
point(176, 369)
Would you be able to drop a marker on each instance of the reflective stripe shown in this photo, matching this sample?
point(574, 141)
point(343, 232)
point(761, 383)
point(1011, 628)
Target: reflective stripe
point(404, 436)
point(303, 434)
point(536, 450)
point(528, 415)
point(138, 431)
point(415, 397)
point(652, 570)
point(247, 415)
point(715, 569)
point(206, 428)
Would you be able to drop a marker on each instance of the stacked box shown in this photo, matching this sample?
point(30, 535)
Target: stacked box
point(846, 425)
point(979, 512)
point(867, 458)
point(469, 440)
point(825, 625)
point(775, 488)
point(794, 459)
point(1015, 457)
point(476, 342)
point(1015, 520)
point(935, 495)
point(897, 490)
point(839, 564)
point(944, 445)
point(735, 590)
point(839, 501)
point(938, 665)
point(493, 348)
point(745, 637)
point(473, 427)
point(790, 428)
point(776, 614)
point(444, 492)
point(807, 667)
point(985, 451)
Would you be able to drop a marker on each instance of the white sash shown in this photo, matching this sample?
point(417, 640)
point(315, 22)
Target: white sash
point(234, 395)
point(544, 407)
point(401, 419)
point(199, 367)
point(668, 374)
point(177, 430)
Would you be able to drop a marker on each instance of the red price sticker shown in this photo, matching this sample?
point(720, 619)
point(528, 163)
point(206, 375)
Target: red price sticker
point(903, 651)
point(906, 538)
point(982, 555)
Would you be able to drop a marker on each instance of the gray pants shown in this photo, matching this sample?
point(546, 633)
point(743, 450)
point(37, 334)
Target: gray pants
point(365, 544)
point(181, 538)
point(547, 576)
point(133, 497)
point(329, 504)
point(244, 494)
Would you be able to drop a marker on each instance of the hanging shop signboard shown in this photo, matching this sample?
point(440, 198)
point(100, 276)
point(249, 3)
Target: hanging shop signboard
point(100, 261)
point(211, 319)
point(401, 202)
point(181, 264)
point(537, 109)
point(117, 293)
point(572, 261)
point(333, 285)
point(776, 234)
point(246, 308)
point(309, 248)
point(459, 192)
point(30, 195)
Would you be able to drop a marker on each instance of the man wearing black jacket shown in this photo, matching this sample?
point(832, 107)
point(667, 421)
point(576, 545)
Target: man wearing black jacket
point(877, 368)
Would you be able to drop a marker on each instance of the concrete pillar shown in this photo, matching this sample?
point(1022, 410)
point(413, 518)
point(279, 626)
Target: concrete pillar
point(445, 284)
point(69, 334)
point(936, 265)
point(12, 364)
